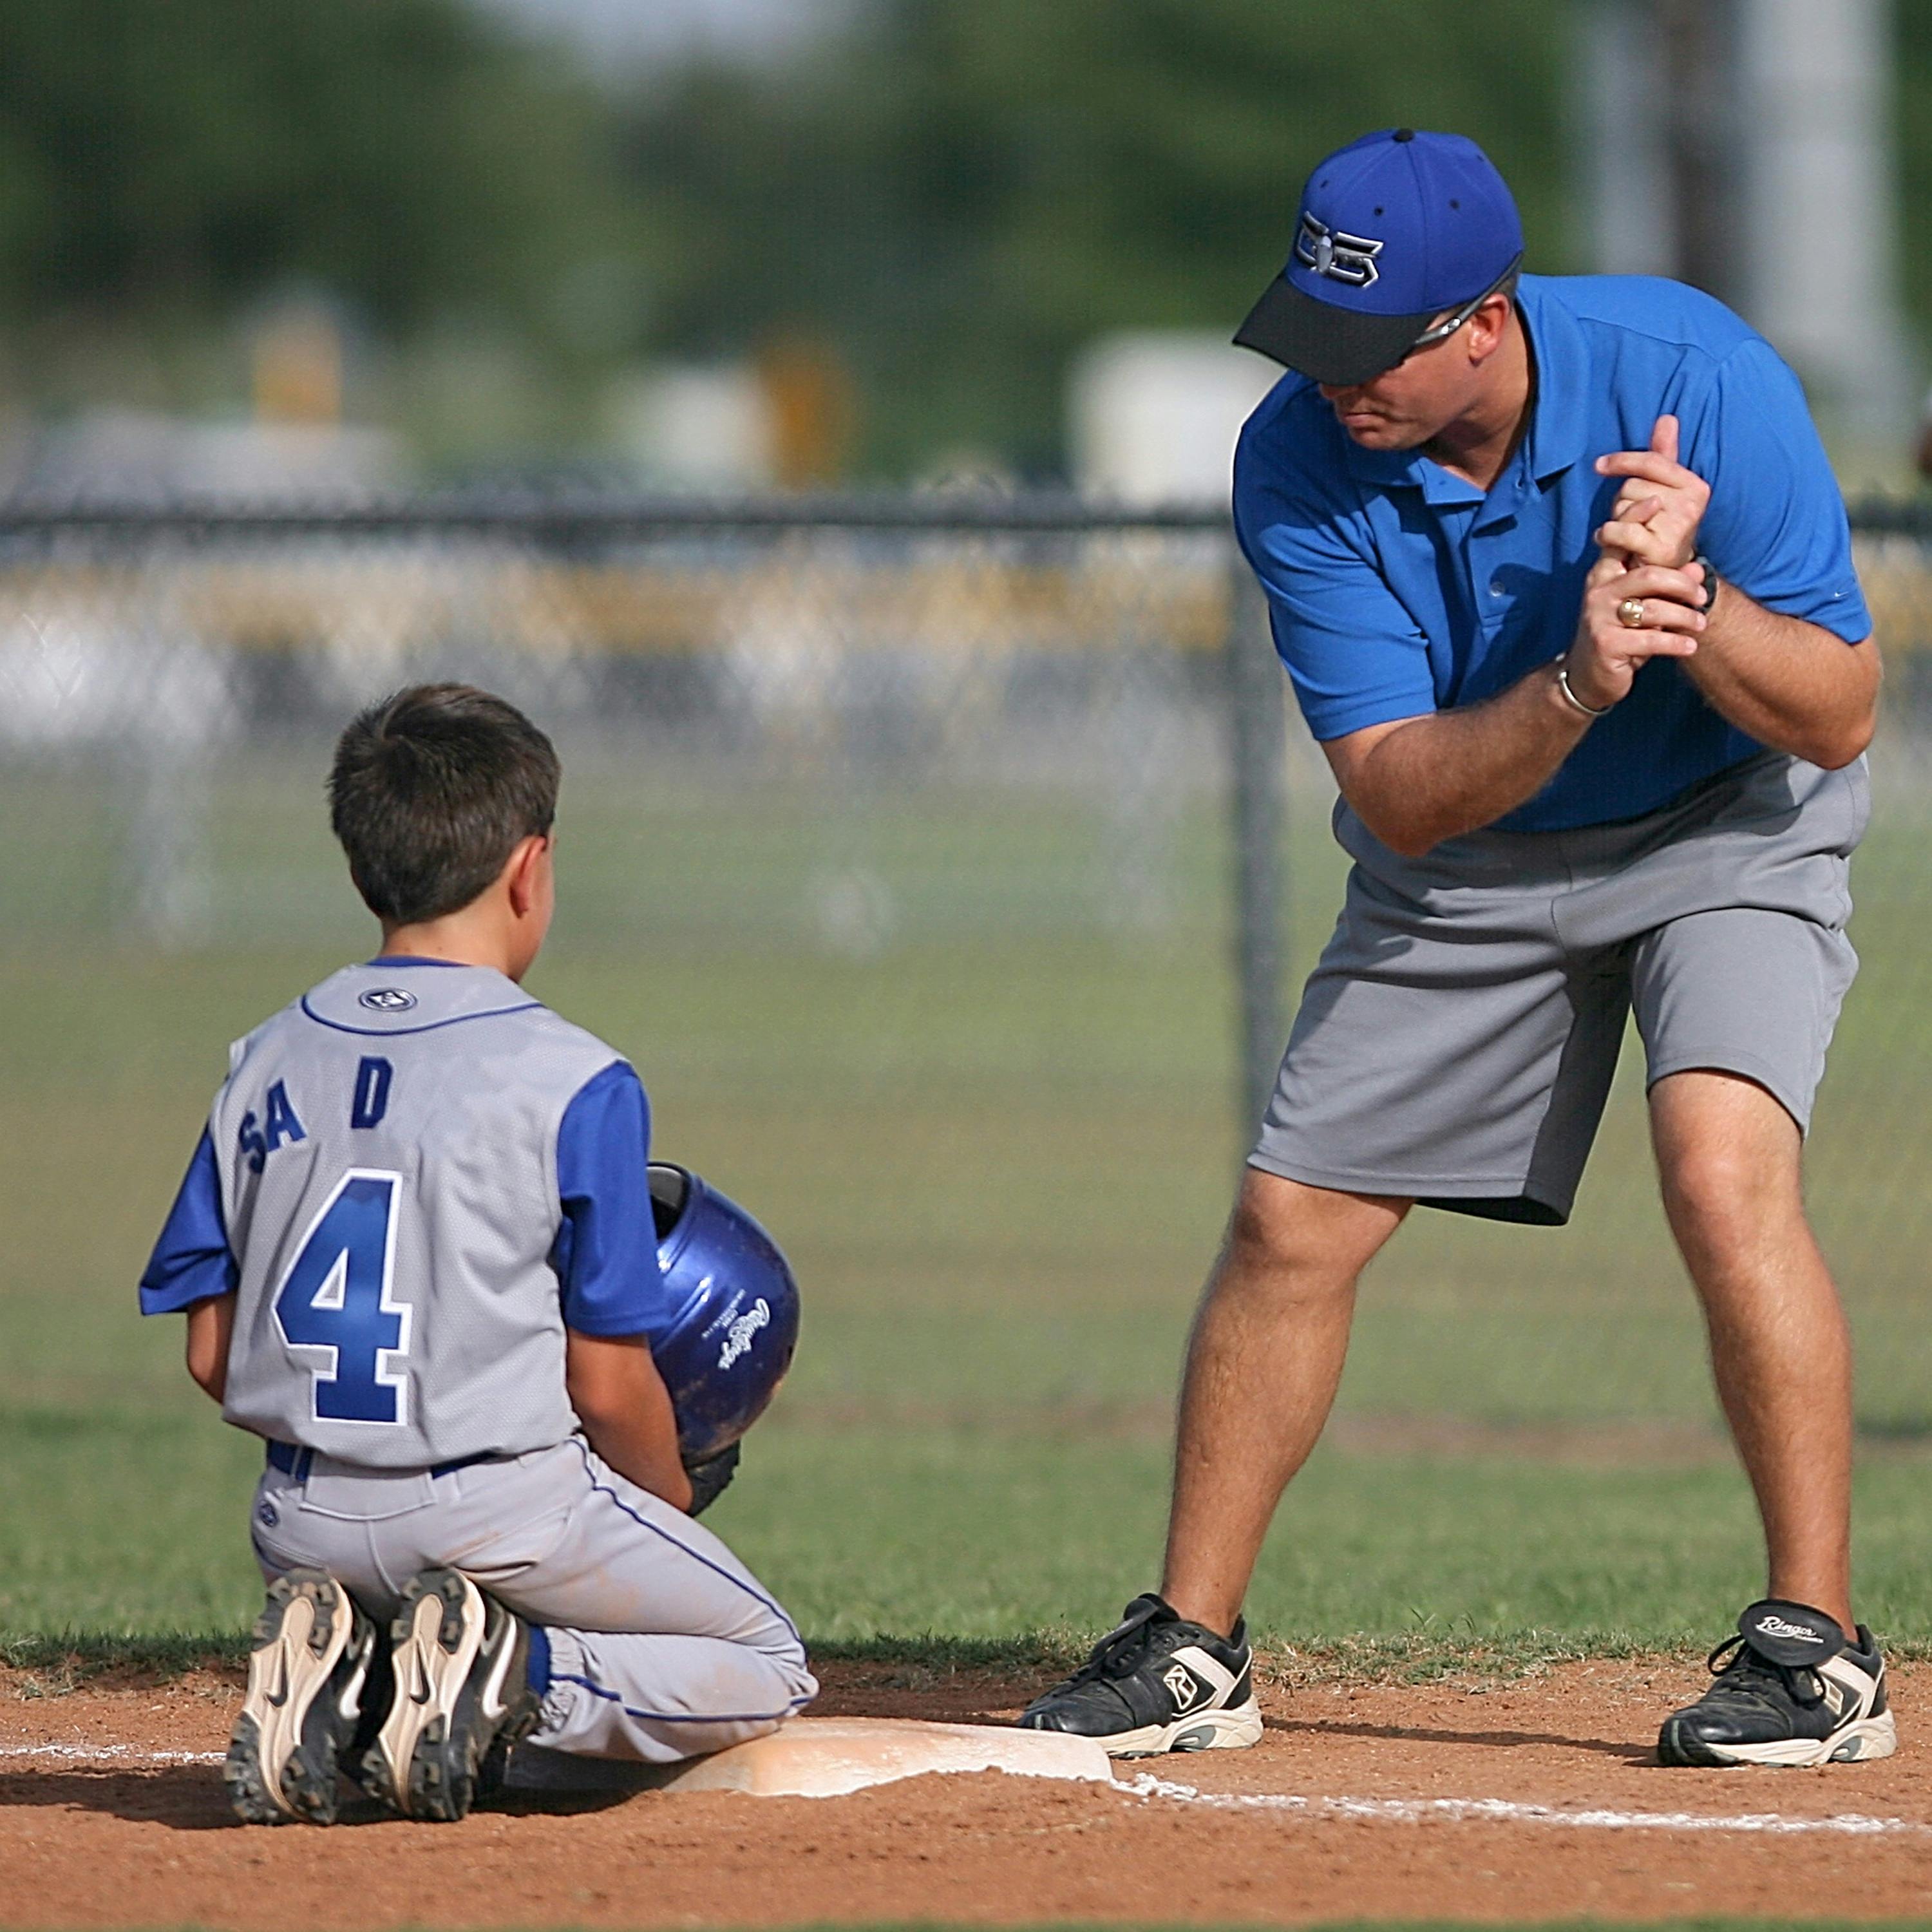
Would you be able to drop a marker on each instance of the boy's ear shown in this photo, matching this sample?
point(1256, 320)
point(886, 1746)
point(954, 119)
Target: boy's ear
point(520, 872)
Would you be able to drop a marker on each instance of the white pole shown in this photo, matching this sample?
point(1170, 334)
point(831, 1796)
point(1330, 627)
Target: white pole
point(1819, 217)
point(1624, 98)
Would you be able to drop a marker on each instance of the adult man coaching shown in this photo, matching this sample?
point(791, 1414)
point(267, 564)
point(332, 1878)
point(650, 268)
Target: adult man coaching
point(1565, 585)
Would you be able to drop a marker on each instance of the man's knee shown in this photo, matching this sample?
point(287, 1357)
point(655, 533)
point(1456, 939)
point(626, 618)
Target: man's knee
point(1728, 1155)
point(1717, 1192)
point(1303, 1240)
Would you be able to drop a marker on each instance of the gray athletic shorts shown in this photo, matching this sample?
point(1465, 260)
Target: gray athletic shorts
point(1455, 1045)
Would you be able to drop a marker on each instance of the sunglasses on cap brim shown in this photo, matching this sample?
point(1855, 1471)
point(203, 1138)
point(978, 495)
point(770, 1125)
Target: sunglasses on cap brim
point(1440, 332)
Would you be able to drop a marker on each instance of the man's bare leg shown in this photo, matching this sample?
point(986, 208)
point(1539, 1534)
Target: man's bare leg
point(1729, 1157)
point(1263, 1364)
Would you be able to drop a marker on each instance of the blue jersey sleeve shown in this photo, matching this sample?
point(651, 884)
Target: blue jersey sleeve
point(192, 1260)
point(1354, 654)
point(606, 1252)
point(1776, 525)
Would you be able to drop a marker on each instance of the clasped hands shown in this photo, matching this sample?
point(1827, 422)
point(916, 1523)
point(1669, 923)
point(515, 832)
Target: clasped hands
point(1641, 599)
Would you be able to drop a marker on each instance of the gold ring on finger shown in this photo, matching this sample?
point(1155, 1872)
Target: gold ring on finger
point(1629, 613)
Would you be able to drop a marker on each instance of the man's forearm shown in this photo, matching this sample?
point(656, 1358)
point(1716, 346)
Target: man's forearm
point(1417, 781)
point(1428, 779)
point(1791, 685)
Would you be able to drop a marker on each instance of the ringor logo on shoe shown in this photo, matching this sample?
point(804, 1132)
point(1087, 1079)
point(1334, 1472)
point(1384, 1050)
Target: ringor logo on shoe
point(1771, 1626)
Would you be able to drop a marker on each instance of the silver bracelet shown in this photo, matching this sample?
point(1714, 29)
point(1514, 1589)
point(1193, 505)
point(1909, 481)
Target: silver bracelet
point(1576, 703)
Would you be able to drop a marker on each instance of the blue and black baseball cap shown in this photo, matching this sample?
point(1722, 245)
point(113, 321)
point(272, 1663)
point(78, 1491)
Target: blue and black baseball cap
point(1395, 229)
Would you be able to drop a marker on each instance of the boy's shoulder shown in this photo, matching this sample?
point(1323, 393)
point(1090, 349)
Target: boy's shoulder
point(470, 1012)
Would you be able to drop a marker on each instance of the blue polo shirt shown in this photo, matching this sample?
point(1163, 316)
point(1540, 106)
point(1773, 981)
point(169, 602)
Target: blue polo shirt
point(1397, 589)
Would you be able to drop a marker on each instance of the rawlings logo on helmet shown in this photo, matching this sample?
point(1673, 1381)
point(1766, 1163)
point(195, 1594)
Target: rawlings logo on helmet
point(738, 1337)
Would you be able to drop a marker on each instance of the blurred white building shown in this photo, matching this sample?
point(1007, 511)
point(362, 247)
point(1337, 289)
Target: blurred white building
point(704, 428)
point(1153, 415)
point(293, 447)
point(137, 456)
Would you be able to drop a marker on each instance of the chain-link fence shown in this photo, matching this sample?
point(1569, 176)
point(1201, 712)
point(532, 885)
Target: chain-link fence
point(871, 658)
point(932, 860)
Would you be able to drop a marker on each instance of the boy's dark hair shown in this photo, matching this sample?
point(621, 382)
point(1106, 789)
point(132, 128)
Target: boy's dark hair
point(430, 791)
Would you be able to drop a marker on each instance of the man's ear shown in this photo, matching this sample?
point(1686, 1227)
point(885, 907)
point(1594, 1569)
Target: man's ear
point(1488, 326)
point(520, 872)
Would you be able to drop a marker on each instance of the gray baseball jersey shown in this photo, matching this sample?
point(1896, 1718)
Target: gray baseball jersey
point(421, 1175)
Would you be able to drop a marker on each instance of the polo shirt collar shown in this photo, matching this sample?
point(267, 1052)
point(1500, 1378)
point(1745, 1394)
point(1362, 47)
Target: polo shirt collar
point(1559, 423)
point(1408, 467)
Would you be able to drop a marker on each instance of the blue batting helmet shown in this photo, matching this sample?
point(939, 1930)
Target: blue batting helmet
point(734, 1321)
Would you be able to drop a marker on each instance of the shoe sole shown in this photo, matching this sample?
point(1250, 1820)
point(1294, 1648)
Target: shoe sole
point(276, 1773)
point(434, 1641)
point(1233, 1728)
point(432, 1756)
point(1857, 1743)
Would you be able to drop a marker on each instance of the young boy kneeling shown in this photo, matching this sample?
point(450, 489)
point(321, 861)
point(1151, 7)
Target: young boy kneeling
point(416, 1251)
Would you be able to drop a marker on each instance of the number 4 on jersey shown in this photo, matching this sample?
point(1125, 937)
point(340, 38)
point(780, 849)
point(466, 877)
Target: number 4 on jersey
point(336, 1297)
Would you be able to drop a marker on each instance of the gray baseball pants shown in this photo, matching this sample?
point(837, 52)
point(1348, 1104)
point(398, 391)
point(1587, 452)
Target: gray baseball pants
point(662, 1645)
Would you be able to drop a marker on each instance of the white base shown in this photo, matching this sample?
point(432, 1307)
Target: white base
point(825, 1757)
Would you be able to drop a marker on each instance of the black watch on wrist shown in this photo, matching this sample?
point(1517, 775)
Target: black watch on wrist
point(1710, 583)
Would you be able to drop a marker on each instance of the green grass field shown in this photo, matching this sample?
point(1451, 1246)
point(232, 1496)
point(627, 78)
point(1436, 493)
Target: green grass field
point(998, 1146)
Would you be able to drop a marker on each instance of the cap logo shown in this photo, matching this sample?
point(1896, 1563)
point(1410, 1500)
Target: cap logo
point(1340, 256)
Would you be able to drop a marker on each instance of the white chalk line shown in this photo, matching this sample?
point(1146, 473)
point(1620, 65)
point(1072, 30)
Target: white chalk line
point(109, 1754)
point(1375, 1810)
point(1503, 1811)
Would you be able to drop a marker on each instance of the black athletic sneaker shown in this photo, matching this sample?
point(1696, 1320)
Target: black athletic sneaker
point(1157, 1683)
point(306, 1675)
point(462, 1698)
point(1789, 1690)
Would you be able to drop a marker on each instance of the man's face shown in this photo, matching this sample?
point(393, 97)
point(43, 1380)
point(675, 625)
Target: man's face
point(1412, 403)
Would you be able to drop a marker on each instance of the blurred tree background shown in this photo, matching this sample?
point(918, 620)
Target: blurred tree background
point(167, 167)
point(946, 198)
point(959, 193)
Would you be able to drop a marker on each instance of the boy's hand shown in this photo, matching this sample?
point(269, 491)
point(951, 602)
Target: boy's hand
point(711, 1477)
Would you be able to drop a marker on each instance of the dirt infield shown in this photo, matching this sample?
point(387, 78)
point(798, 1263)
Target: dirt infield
point(1536, 1799)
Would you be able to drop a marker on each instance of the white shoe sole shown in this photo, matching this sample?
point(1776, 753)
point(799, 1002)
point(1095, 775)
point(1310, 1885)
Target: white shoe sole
point(1231, 1729)
point(429, 1678)
point(286, 1673)
point(1857, 1743)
